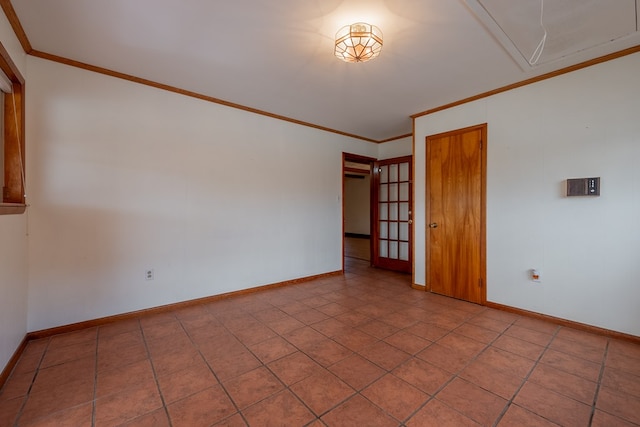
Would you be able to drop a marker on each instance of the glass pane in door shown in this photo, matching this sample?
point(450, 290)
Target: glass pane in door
point(393, 192)
point(404, 211)
point(384, 192)
point(404, 192)
point(384, 211)
point(404, 171)
point(384, 252)
point(384, 174)
point(393, 211)
point(384, 230)
point(393, 250)
point(393, 231)
point(393, 173)
point(404, 251)
point(404, 231)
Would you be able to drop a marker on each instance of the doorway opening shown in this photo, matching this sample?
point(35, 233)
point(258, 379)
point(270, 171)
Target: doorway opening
point(377, 205)
point(357, 180)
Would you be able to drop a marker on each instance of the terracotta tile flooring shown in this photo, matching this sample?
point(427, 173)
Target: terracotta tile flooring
point(360, 350)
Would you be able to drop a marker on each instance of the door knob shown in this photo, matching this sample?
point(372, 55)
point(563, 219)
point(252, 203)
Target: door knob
point(433, 225)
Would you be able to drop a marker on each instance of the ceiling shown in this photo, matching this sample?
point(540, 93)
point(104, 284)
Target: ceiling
point(276, 56)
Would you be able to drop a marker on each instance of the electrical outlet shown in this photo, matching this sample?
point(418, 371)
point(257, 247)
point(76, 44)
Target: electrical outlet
point(535, 274)
point(148, 274)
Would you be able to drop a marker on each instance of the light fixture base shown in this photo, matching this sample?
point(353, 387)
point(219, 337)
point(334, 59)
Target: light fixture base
point(359, 42)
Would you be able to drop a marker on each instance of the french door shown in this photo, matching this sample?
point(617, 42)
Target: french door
point(392, 221)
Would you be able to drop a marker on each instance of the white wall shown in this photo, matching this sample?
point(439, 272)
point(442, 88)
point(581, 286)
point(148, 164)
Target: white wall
point(13, 284)
point(13, 246)
point(127, 177)
point(581, 124)
point(397, 148)
point(357, 205)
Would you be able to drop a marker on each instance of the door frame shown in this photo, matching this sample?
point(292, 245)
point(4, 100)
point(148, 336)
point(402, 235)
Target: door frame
point(483, 206)
point(365, 160)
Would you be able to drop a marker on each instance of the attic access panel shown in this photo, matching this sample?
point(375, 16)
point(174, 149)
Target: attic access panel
point(572, 25)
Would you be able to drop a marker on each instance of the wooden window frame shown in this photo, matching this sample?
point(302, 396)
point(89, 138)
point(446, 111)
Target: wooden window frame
point(13, 193)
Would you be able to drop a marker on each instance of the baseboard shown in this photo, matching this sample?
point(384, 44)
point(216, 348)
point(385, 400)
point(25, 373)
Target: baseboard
point(45, 333)
point(4, 375)
point(564, 322)
point(357, 236)
point(419, 287)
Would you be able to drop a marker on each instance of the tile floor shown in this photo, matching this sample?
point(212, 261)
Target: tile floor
point(358, 350)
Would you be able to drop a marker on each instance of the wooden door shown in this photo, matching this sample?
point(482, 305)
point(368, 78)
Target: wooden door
point(392, 214)
point(456, 171)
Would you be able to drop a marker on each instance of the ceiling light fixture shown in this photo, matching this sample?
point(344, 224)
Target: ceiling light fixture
point(359, 42)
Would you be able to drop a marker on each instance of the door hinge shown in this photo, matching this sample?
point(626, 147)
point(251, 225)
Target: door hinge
point(480, 283)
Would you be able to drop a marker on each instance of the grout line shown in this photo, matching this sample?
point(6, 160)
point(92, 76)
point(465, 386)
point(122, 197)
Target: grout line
point(456, 375)
point(264, 365)
point(356, 392)
point(155, 374)
point(354, 352)
point(318, 417)
point(358, 283)
point(526, 378)
point(599, 383)
point(33, 381)
point(242, 415)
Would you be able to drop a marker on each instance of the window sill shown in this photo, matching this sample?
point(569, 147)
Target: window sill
point(12, 208)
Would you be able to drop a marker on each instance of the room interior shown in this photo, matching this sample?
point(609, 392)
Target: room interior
point(357, 209)
point(193, 153)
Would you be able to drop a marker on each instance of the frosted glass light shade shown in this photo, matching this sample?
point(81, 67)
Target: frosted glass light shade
point(359, 42)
